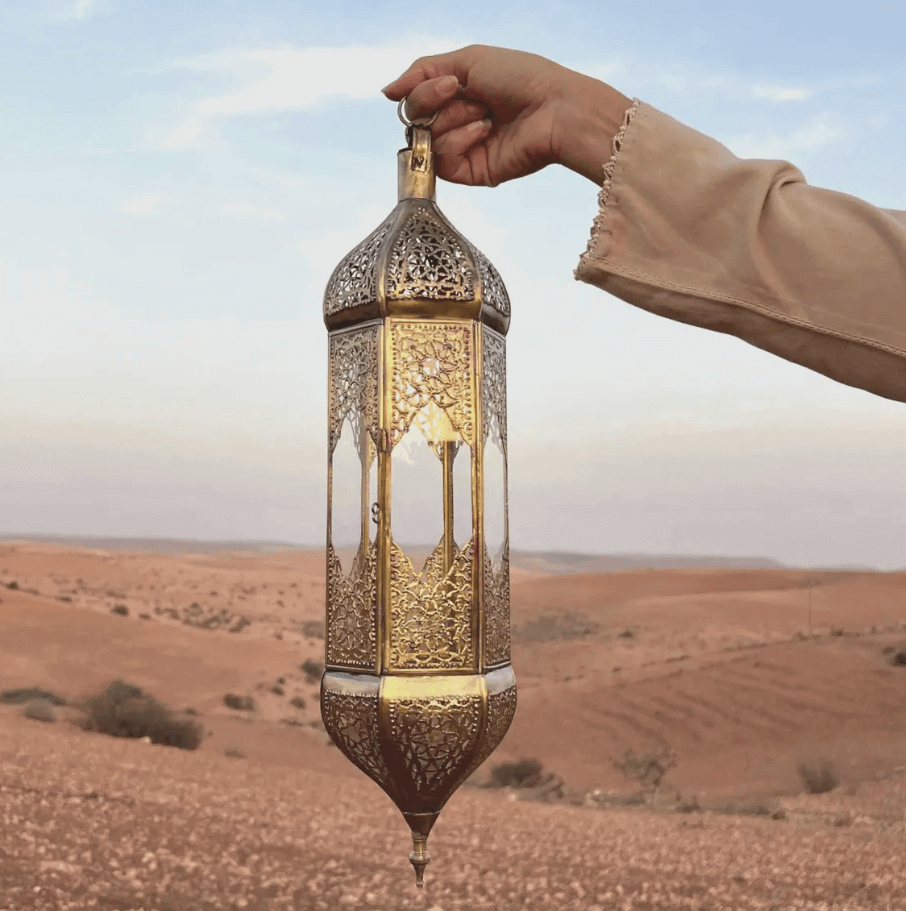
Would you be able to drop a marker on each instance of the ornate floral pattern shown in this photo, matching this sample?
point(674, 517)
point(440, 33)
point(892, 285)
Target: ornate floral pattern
point(351, 720)
point(436, 737)
point(352, 610)
point(353, 383)
point(432, 370)
point(427, 261)
point(501, 711)
point(497, 610)
point(430, 612)
point(493, 387)
point(493, 291)
point(354, 281)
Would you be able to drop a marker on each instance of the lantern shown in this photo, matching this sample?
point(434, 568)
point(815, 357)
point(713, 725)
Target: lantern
point(418, 689)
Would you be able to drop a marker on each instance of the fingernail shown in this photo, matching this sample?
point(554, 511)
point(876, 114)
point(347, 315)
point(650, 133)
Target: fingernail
point(448, 82)
point(384, 89)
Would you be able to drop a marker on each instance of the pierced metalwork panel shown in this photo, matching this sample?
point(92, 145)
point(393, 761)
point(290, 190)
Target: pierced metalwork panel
point(432, 368)
point(497, 610)
point(493, 384)
point(435, 736)
point(430, 612)
point(501, 711)
point(427, 261)
point(351, 720)
point(493, 291)
point(354, 281)
point(353, 382)
point(352, 610)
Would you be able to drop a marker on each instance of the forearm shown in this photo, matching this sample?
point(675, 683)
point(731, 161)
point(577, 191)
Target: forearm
point(590, 114)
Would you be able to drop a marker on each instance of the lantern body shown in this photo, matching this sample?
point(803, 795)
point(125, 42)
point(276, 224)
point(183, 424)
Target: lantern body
point(418, 689)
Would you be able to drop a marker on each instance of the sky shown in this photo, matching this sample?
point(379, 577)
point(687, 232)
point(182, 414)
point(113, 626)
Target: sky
point(179, 179)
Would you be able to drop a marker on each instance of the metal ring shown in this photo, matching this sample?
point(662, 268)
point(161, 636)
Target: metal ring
point(402, 117)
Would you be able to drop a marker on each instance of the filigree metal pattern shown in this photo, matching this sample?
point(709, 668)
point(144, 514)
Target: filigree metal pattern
point(497, 609)
point(432, 364)
point(493, 385)
point(427, 262)
point(353, 383)
point(351, 720)
point(501, 711)
point(493, 291)
point(352, 610)
point(431, 613)
point(354, 281)
point(436, 736)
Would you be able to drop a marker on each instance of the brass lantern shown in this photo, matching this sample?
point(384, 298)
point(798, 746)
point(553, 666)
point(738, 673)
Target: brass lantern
point(418, 689)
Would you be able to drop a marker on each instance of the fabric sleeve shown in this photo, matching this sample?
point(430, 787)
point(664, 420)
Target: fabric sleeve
point(747, 247)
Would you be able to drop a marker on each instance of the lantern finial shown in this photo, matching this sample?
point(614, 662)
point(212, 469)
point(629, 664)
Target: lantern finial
point(419, 857)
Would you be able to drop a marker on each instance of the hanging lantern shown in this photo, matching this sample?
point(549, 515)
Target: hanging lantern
point(418, 689)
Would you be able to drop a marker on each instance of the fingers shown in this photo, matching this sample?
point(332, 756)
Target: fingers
point(426, 97)
point(457, 142)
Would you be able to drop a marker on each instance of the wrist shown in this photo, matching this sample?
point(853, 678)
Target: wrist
point(590, 114)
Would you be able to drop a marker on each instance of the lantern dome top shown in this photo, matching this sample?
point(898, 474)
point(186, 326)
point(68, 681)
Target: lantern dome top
point(415, 263)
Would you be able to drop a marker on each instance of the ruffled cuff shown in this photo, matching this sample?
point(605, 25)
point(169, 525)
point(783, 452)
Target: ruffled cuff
point(604, 192)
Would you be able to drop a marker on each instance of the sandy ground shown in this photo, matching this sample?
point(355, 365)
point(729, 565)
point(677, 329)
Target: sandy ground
point(717, 662)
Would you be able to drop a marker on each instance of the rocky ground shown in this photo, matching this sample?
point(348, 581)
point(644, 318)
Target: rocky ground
point(88, 821)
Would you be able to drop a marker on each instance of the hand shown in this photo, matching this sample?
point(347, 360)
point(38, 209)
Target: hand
point(520, 92)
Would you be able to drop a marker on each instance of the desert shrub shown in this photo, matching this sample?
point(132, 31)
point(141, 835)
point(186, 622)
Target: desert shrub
point(524, 773)
point(39, 710)
point(314, 629)
point(818, 779)
point(239, 703)
point(556, 626)
point(29, 693)
point(234, 753)
point(297, 702)
point(898, 658)
point(124, 710)
point(312, 669)
point(689, 805)
point(626, 634)
point(648, 768)
point(277, 690)
point(12, 586)
point(120, 609)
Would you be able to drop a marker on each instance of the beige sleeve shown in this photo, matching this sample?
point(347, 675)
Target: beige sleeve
point(688, 231)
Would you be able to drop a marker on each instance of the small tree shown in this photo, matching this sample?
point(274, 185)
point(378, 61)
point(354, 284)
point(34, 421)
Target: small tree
point(649, 768)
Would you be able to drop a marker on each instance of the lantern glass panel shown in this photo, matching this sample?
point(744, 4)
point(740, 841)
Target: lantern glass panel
point(354, 485)
point(418, 494)
point(494, 474)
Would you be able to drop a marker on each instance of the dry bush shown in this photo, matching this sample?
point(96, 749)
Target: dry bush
point(312, 669)
point(648, 768)
point(556, 626)
point(124, 710)
point(28, 693)
point(39, 710)
point(239, 703)
point(818, 779)
point(524, 773)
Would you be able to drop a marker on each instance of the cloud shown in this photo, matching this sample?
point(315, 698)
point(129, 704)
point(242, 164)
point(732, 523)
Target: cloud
point(819, 133)
point(79, 9)
point(247, 210)
point(288, 78)
point(776, 93)
point(142, 205)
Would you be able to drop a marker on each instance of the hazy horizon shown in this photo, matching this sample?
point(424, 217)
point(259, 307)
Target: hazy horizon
point(180, 182)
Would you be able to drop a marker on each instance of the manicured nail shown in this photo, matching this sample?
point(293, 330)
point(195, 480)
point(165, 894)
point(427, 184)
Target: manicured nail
point(448, 82)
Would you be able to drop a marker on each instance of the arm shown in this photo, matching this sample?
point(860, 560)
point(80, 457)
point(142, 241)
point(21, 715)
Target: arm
point(688, 231)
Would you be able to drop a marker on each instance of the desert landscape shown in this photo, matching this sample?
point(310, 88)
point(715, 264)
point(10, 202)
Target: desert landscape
point(691, 734)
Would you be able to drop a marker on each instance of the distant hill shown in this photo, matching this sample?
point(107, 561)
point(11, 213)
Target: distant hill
point(154, 545)
point(545, 561)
